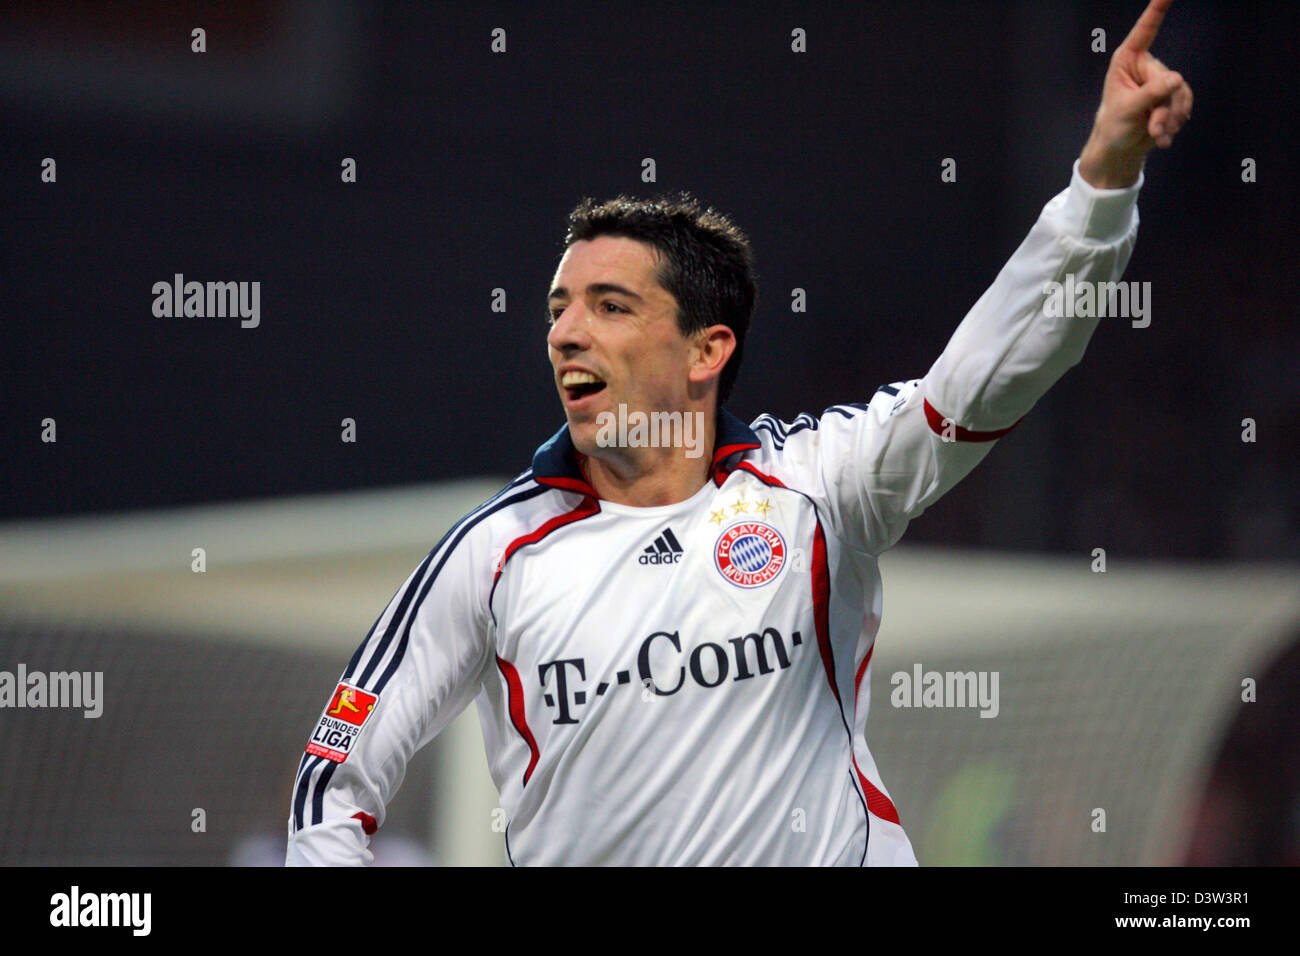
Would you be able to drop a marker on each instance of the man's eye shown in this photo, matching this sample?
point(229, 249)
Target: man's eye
point(553, 315)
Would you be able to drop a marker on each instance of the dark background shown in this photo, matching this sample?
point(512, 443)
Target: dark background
point(376, 295)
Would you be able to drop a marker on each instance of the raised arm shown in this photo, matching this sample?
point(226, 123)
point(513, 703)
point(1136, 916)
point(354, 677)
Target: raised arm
point(885, 464)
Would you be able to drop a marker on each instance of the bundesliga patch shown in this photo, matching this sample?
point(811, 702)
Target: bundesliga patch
point(750, 554)
point(341, 724)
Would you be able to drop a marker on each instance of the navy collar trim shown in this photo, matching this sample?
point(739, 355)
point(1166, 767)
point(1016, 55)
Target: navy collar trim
point(556, 462)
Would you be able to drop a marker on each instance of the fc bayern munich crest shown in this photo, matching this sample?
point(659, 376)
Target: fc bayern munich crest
point(750, 554)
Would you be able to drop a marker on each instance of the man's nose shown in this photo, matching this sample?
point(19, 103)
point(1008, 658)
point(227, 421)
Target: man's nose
point(569, 331)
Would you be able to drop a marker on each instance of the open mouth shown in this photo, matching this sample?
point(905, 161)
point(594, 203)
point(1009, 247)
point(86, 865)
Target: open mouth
point(578, 385)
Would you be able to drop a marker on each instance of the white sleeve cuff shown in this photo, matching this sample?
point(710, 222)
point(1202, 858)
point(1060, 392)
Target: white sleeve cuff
point(337, 842)
point(1098, 215)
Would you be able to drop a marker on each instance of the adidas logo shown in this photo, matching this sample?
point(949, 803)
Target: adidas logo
point(664, 550)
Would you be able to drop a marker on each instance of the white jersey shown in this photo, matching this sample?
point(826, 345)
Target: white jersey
point(689, 684)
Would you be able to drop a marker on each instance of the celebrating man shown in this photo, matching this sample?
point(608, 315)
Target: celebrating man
point(708, 706)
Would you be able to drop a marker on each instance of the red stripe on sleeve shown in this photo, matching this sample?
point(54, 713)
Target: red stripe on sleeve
point(938, 421)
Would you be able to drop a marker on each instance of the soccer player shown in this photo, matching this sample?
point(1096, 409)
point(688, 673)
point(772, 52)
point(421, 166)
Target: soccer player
point(667, 621)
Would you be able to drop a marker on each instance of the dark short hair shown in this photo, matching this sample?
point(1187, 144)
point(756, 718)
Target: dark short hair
point(705, 261)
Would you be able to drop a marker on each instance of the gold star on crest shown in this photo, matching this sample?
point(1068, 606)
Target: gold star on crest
point(741, 506)
point(763, 507)
point(717, 517)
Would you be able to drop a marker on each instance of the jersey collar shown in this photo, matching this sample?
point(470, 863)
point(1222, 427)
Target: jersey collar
point(556, 462)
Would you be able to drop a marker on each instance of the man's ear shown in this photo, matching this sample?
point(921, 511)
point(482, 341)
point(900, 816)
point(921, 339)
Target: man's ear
point(710, 350)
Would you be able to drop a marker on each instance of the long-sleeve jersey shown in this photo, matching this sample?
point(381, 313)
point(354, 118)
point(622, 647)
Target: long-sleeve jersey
point(689, 684)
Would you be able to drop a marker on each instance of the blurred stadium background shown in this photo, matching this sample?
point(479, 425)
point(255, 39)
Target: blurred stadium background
point(1120, 691)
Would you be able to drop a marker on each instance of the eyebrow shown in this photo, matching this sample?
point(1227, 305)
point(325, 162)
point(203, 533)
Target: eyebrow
point(560, 292)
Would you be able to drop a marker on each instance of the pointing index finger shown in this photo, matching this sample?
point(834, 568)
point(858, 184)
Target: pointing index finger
point(1144, 31)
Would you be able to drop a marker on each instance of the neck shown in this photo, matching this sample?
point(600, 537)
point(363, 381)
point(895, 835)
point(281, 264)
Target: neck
point(655, 476)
